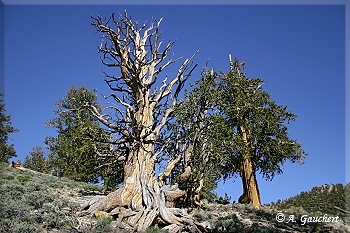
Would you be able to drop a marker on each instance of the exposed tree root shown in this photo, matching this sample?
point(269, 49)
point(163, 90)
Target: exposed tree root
point(128, 219)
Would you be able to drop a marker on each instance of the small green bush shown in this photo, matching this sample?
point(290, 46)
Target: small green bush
point(155, 229)
point(53, 220)
point(263, 214)
point(228, 224)
point(23, 179)
point(201, 216)
point(106, 219)
point(36, 199)
point(256, 228)
point(9, 177)
point(103, 226)
point(26, 227)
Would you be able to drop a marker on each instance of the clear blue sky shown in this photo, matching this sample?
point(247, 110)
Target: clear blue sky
point(298, 50)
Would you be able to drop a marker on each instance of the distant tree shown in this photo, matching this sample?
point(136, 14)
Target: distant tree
point(260, 141)
point(37, 160)
point(76, 151)
point(223, 200)
point(7, 151)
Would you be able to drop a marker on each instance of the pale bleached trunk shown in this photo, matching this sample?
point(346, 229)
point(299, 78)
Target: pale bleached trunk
point(136, 51)
point(141, 191)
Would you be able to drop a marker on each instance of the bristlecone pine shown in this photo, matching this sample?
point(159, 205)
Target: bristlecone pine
point(140, 112)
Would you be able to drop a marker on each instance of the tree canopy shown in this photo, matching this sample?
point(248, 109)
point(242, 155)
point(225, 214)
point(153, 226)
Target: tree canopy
point(250, 111)
point(198, 131)
point(259, 138)
point(76, 151)
point(228, 125)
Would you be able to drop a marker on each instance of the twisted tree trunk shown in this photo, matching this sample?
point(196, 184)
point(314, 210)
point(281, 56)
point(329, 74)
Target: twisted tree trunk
point(141, 194)
point(251, 193)
point(143, 198)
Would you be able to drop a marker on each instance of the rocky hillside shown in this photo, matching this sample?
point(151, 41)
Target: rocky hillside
point(36, 202)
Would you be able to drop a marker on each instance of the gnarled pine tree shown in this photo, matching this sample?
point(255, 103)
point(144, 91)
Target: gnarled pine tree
point(260, 138)
point(137, 118)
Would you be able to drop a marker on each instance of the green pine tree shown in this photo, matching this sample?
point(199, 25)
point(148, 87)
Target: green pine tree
point(37, 160)
point(199, 131)
point(260, 134)
point(75, 152)
point(7, 150)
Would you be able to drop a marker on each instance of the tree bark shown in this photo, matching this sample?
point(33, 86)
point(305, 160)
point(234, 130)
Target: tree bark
point(141, 191)
point(251, 193)
point(142, 194)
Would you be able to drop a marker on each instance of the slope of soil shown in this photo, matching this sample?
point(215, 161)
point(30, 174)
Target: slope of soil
point(36, 202)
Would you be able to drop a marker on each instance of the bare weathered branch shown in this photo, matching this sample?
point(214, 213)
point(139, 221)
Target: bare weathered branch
point(165, 174)
point(101, 118)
